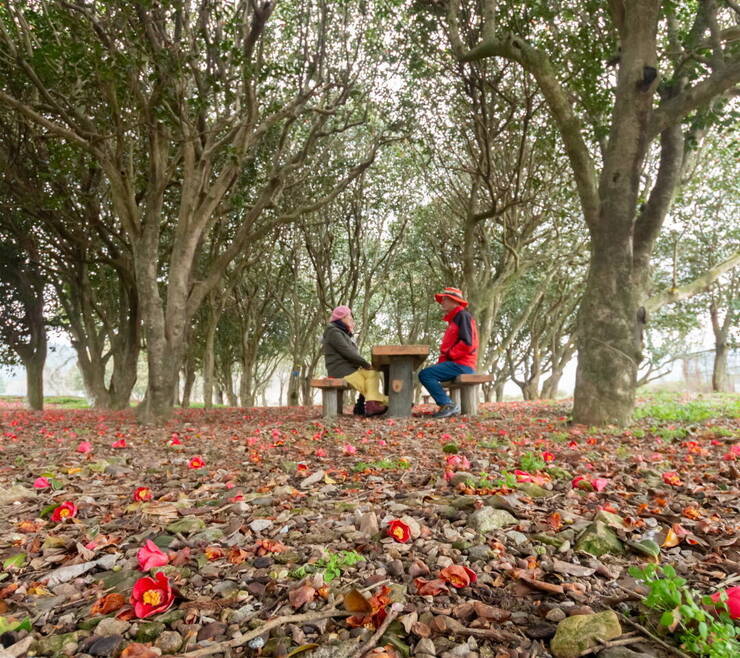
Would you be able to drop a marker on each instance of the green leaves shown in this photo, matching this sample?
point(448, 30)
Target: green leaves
point(698, 630)
point(14, 561)
point(8, 624)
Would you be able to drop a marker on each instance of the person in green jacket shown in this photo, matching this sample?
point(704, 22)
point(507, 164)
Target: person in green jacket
point(344, 361)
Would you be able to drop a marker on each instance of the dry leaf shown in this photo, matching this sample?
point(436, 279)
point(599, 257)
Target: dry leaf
point(301, 595)
point(356, 602)
point(107, 604)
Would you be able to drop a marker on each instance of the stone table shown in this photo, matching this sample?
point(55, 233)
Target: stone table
point(398, 363)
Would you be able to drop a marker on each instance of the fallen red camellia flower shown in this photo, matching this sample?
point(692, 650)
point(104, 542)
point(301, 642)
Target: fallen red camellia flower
point(196, 462)
point(458, 575)
point(142, 494)
point(121, 443)
point(151, 556)
point(672, 478)
point(732, 602)
point(84, 447)
point(151, 596)
point(67, 510)
point(433, 587)
point(586, 484)
point(399, 530)
point(41, 483)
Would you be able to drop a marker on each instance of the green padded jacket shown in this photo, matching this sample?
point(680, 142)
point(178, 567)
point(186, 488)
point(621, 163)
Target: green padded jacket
point(341, 355)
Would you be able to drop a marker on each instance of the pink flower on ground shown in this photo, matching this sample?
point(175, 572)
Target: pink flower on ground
point(458, 461)
point(150, 556)
point(41, 483)
point(84, 447)
point(121, 443)
point(349, 449)
point(320, 452)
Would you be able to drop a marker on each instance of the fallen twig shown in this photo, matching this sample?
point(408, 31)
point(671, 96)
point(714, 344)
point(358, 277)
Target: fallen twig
point(370, 644)
point(220, 647)
point(653, 637)
point(619, 642)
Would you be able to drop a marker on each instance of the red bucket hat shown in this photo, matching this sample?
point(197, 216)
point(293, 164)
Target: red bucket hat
point(455, 294)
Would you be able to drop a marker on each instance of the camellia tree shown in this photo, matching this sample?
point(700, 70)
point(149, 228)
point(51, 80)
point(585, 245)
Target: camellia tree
point(674, 64)
point(174, 101)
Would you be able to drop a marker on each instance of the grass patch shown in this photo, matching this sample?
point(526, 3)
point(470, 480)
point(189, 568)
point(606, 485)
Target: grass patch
point(668, 409)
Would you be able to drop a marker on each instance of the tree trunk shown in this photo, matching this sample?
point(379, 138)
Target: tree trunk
point(187, 388)
point(208, 365)
point(228, 382)
point(294, 385)
point(720, 380)
point(164, 340)
point(35, 378)
point(219, 396)
point(609, 335)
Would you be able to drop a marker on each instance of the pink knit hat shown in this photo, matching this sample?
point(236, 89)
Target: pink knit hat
point(339, 312)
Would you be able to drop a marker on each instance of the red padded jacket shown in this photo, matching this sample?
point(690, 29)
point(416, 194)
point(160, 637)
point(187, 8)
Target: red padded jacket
point(460, 342)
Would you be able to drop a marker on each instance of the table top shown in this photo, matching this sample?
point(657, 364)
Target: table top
point(382, 354)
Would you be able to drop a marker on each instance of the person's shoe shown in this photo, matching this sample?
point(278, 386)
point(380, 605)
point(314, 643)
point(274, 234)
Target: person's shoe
point(447, 410)
point(359, 408)
point(373, 408)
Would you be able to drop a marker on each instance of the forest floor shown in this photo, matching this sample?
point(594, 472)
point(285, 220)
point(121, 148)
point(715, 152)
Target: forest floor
point(464, 537)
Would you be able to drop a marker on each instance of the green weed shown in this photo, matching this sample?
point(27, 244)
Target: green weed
point(332, 566)
point(683, 613)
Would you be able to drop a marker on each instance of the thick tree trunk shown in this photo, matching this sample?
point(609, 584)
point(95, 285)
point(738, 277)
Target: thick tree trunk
point(165, 345)
point(609, 335)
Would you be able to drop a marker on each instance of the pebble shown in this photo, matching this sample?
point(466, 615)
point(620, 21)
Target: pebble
point(556, 615)
point(111, 626)
point(258, 525)
point(169, 642)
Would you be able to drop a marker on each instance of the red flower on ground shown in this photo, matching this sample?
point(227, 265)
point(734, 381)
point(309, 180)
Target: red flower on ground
point(433, 587)
point(67, 510)
point(152, 595)
point(399, 530)
point(458, 461)
point(41, 483)
point(84, 447)
point(142, 494)
point(151, 556)
point(732, 602)
point(121, 443)
point(196, 462)
point(672, 478)
point(458, 575)
point(548, 457)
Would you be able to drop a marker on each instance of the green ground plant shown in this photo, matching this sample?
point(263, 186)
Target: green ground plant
point(701, 626)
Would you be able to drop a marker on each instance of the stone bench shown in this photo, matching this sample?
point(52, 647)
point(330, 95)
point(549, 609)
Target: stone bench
point(464, 391)
point(332, 395)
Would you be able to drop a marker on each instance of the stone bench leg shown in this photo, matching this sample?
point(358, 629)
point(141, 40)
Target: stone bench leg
point(332, 401)
point(455, 395)
point(469, 399)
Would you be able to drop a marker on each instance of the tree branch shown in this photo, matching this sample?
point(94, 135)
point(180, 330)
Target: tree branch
point(676, 108)
point(700, 284)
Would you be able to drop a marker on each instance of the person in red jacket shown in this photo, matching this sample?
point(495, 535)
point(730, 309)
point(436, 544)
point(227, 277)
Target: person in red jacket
point(458, 353)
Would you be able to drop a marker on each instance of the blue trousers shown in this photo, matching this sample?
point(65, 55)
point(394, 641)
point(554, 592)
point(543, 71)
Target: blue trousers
point(431, 377)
